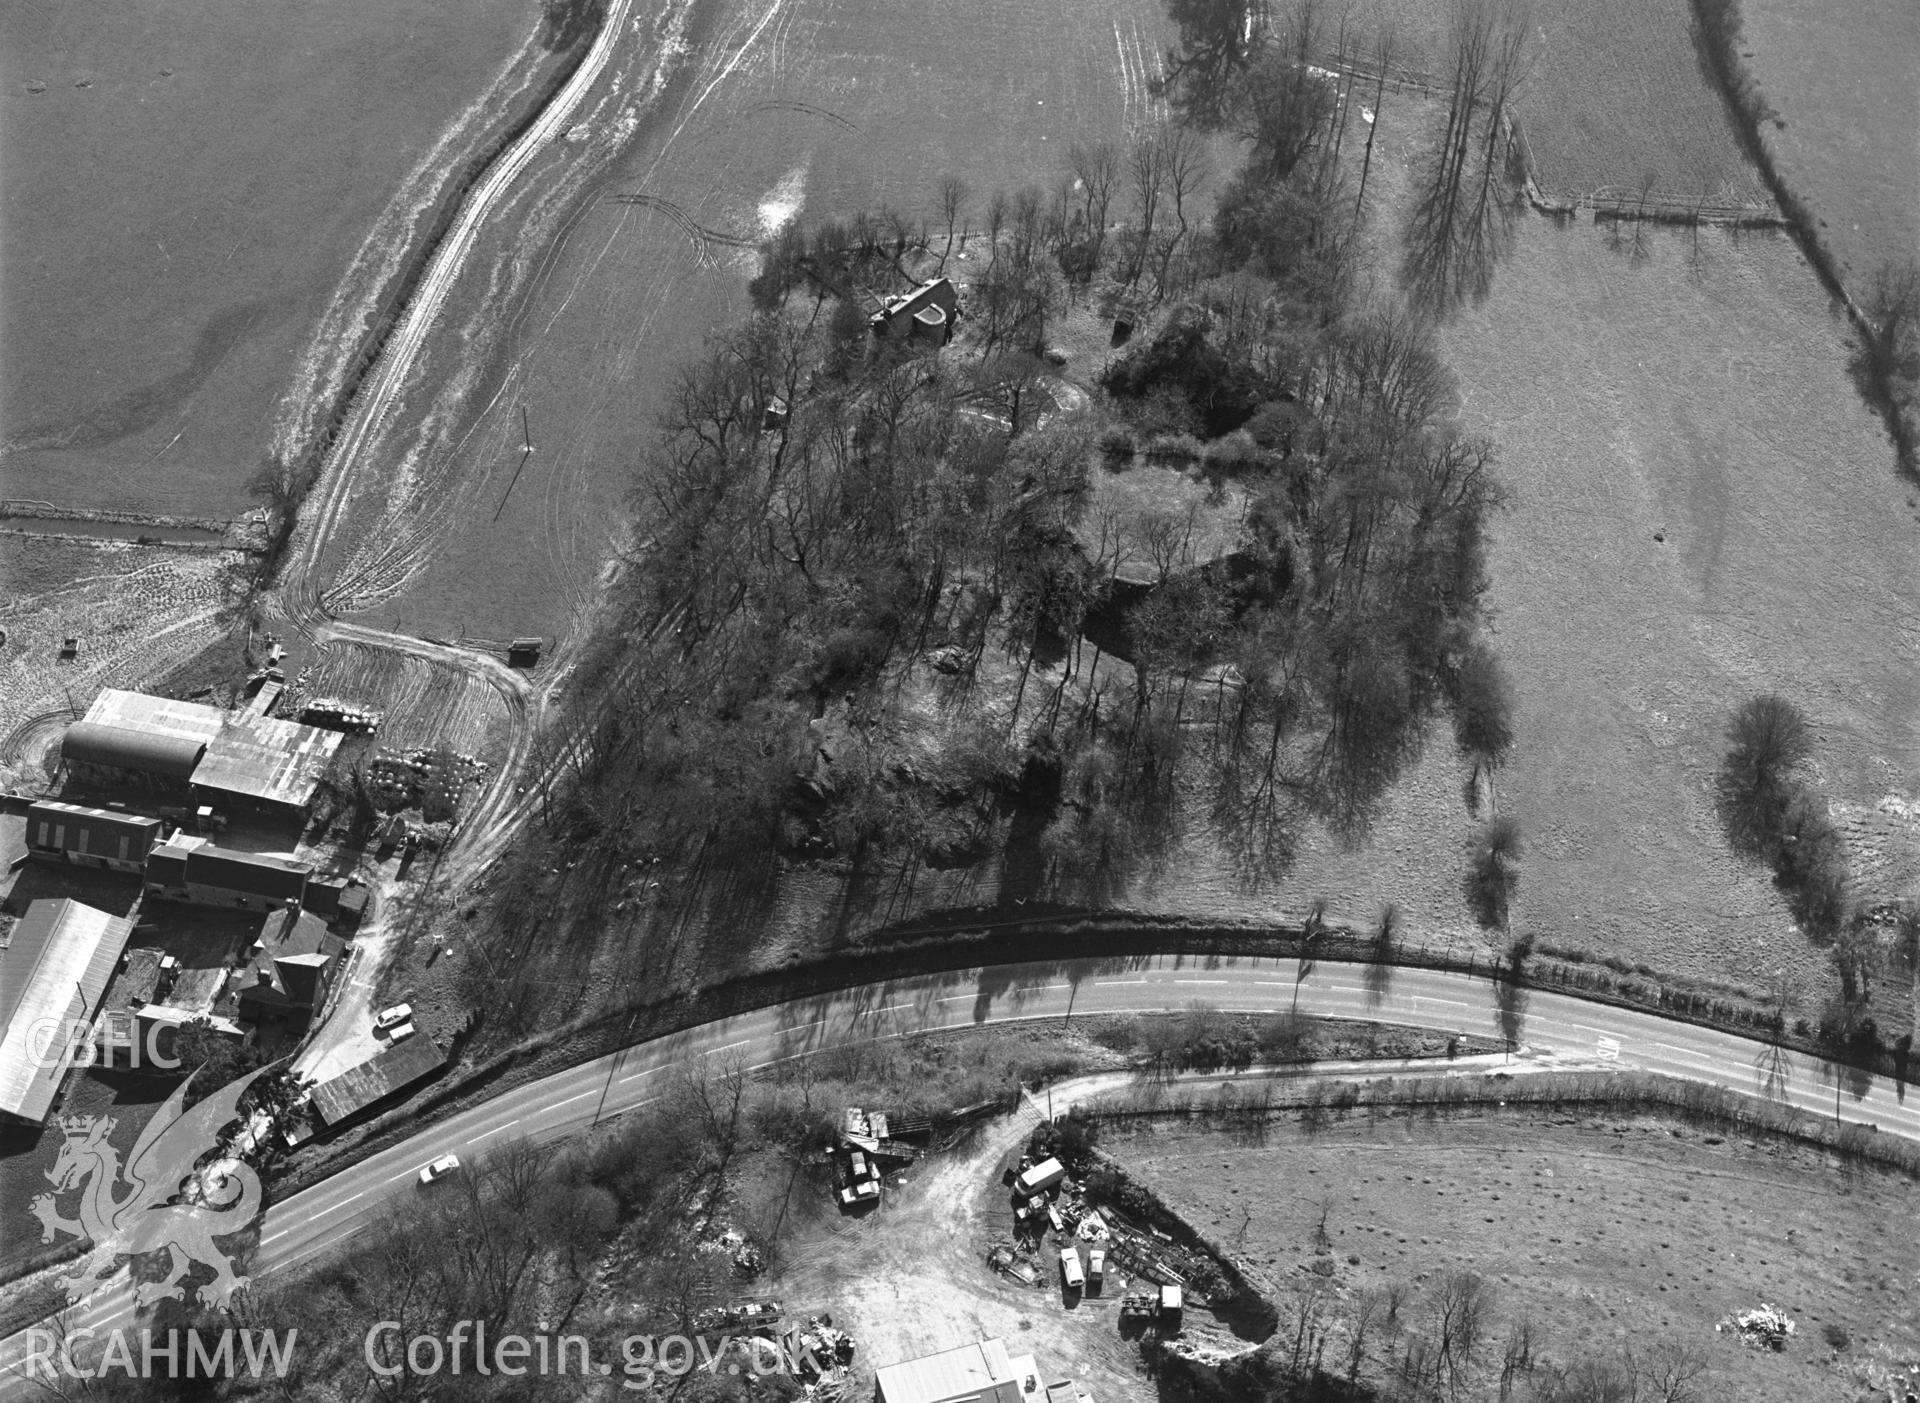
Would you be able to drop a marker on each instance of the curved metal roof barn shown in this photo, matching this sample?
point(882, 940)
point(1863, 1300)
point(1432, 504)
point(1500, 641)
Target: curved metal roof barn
point(96, 743)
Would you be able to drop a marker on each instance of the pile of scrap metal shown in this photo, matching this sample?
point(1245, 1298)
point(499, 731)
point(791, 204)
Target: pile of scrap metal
point(816, 1352)
point(748, 1313)
point(866, 1139)
point(885, 1134)
point(1766, 1327)
point(1015, 1261)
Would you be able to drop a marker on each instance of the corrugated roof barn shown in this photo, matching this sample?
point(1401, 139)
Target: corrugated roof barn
point(264, 760)
point(399, 1066)
point(256, 759)
point(56, 967)
point(123, 748)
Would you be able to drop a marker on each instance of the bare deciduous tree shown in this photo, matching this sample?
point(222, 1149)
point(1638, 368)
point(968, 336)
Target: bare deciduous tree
point(1459, 1312)
point(954, 193)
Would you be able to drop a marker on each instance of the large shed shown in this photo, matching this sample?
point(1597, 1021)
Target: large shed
point(252, 881)
point(264, 762)
point(125, 749)
point(982, 1371)
point(91, 837)
point(242, 759)
point(53, 971)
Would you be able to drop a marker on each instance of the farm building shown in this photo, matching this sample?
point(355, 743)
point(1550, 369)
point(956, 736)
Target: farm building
point(925, 315)
point(323, 895)
point(265, 764)
point(368, 1083)
point(167, 866)
point(53, 972)
point(186, 869)
point(241, 760)
point(91, 837)
point(983, 1371)
point(293, 965)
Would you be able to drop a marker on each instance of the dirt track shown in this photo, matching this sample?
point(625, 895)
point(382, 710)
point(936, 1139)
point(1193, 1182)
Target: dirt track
point(446, 693)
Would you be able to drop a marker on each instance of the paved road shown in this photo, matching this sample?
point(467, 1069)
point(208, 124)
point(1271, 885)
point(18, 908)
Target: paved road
point(1553, 1025)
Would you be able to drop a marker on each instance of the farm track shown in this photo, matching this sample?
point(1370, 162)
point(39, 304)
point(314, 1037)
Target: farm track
point(443, 691)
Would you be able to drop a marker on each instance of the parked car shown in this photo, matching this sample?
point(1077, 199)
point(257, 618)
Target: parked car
point(400, 1032)
point(1096, 1263)
point(392, 1017)
point(1070, 1269)
point(440, 1168)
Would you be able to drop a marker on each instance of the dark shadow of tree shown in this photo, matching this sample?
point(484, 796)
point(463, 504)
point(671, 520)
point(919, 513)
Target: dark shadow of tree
point(1378, 974)
point(1773, 1072)
point(1511, 997)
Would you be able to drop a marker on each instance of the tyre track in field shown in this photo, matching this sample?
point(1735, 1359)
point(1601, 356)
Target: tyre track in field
point(467, 680)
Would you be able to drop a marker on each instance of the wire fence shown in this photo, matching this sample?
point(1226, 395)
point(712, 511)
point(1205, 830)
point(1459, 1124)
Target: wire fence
point(1607, 202)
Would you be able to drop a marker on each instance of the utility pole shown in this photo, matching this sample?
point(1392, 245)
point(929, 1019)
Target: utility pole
point(1073, 989)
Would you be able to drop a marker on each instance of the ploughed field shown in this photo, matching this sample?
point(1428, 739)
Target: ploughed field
point(1614, 101)
point(1617, 101)
point(187, 186)
point(1607, 1234)
point(623, 246)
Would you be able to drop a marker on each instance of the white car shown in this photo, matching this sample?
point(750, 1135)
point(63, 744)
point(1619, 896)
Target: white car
point(440, 1168)
point(400, 1033)
point(393, 1017)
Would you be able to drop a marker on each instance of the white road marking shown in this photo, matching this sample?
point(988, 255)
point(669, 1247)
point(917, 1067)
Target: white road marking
point(476, 1139)
point(1609, 1048)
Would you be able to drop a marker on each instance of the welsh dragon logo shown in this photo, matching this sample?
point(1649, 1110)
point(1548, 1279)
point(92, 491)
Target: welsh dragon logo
point(167, 1207)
